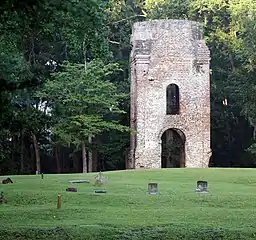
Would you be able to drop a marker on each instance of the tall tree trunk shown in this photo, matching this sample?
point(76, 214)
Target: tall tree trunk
point(57, 159)
point(84, 157)
point(84, 51)
point(13, 170)
point(63, 160)
point(38, 164)
point(21, 151)
point(90, 159)
point(76, 162)
point(94, 160)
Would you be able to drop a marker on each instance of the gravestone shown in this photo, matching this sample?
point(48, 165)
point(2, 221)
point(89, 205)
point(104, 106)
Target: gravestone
point(79, 181)
point(99, 179)
point(2, 198)
point(59, 201)
point(100, 191)
point(7, 181)
point(202, 187)
point(153, 188)
point(71, 189)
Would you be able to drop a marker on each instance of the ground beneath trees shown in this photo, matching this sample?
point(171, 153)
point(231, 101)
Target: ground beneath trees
point(126, 211)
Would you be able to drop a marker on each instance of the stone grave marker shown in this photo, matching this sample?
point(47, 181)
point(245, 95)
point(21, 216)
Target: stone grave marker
point(7, 181)
point(71, 189)
point(79, 181)
point(100, 191)
point(100, 179)
point(59, 201)
point(153, 188)
point(2, 198)
point(202, 187)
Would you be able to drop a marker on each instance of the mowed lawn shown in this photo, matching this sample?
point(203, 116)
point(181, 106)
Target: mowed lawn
point(230, 203)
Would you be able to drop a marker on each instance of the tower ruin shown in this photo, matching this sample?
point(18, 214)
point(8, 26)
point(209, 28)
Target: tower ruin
point(170, 95)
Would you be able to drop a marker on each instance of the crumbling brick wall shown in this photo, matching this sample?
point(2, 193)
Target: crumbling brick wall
point(169, 52)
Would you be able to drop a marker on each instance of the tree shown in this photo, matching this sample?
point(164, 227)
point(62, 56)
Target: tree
point(81, 102)
point(166, 9)
point(36, 37)
point(229, 28)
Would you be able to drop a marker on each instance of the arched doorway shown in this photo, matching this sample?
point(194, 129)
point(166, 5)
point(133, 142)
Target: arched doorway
point(173, 149)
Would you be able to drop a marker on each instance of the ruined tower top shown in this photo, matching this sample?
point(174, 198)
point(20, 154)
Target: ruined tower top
point(170, 94)
point(175, 38)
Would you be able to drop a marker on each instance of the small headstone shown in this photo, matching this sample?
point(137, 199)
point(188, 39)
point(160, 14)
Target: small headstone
point(99, 179)
point(79, 181)
point(202, 187)
point(153, 188)
point(59, 201)
point(2, 198)
point(71, 189)
point(100, 191)
point(7, 181)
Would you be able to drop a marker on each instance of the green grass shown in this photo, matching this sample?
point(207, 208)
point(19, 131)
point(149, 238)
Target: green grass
point(127, 211)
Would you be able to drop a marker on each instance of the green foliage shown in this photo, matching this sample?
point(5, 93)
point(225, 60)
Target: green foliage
point(81, 99)
point(33, 37)
point(82, 26)
point(38, 37)
point(166, 9)
point(227, 29)
point(252, 149)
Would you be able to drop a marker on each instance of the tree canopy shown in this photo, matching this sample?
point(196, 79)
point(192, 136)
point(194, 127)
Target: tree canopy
point(64, 80)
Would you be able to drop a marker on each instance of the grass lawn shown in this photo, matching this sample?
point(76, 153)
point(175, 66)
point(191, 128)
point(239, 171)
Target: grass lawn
point(127, 211)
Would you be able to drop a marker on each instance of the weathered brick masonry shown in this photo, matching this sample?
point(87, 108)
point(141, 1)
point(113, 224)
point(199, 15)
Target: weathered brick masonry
point(169, 52)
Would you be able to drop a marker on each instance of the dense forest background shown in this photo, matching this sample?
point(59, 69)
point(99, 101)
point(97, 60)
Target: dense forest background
point(64, 80)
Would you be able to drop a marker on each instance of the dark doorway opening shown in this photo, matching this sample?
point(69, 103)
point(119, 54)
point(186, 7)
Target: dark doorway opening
point(173, 149)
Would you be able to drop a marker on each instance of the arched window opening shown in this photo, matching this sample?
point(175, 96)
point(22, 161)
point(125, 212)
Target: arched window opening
point(172, 100)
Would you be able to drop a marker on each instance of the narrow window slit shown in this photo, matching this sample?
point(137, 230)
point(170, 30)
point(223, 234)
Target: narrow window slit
point(172, 100)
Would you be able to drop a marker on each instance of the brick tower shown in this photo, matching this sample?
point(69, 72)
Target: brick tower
point(170, 95)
